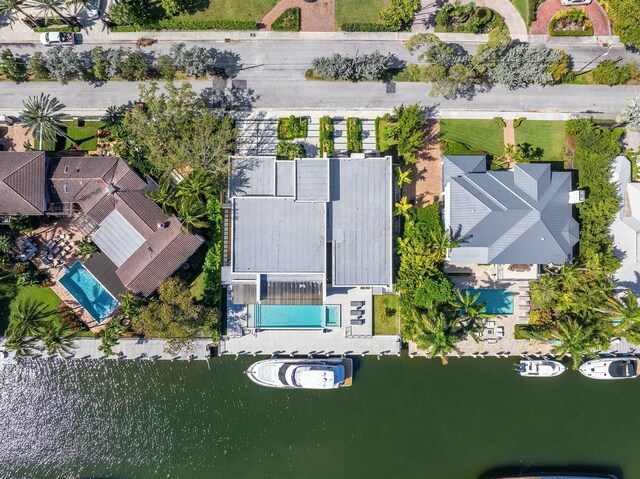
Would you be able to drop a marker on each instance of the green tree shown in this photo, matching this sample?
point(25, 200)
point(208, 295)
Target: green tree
point(625, 15)
point(110, 335)
point(47, 6)
point(12, 66)
point(575, 340)
point(469, 305)
point(435, 293)
point(28, 317)
point(130, 12)
point(524, 64)
point(24, 347)
point(398, 15)
point(192, 211)
point(459, 80)
point(113, 116)
point(545, 290)
point(403, 207)
point(165, 67)
point(438, 335)
point(624, 308)
point(85, 248)
point(5, 244)
point(630, 114)
point(130, 304)
point(164, 196)
point(64, 63)
point(57, 338)
point(608, 73)
point(37, 68)
point(402, 177)
point(409, 131)
point(12, 7)
point(134, 66)
point(42, 115)
point(488, 54)
point(199, 184)
point(100, 64)
point(174, 7)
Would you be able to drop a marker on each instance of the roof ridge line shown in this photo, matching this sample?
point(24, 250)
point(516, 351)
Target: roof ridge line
point(16, 171)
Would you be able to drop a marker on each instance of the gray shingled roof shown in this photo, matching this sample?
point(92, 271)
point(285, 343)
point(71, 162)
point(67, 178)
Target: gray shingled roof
point(504, 217)
point(22, 183)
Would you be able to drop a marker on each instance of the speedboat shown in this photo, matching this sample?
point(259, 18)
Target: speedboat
point(561, 476)
point(611, 368)
point(540, 368)
point(331, 373)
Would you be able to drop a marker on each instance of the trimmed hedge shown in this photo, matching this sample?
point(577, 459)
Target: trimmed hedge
point(289, 21)
point(365, 27)
point(354, 140)
point(583, 33)
point(292, 127)
point(183, 24)
point(378, 132)
point(326, 137)
point(57, 28)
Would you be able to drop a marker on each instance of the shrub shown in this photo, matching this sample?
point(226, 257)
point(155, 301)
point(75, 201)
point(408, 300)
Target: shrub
point(213, 260)
point(195, 61)
point(626, 21)
point(63, 64)
point(289, 21)
point(37, 67)
point(518, 122)
point(130, 12)
point(165, 67)
point(573, 15)
point(399, 14)
point(100, 64)
point(608, 73)
point(188, 24)
point(499, 121)
point(134, 66)
point(289, 151)
point(12, 66)
point(371, 66)
point(292, 127)
point(326, 137)
point(365, 27)
point(354, 130)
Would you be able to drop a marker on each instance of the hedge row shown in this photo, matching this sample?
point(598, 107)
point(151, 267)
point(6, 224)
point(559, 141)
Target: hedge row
point(56, 28)
point(183, 24)
point(354, 137)
point(326, 137)
point(365, 27)
point(575, 33)
point(289, 21)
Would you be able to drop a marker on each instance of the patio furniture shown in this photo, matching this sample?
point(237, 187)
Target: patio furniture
point(50, 244)
point(58, 256)
point(489, 323)
point(50, 257)
point(356, 312)
point(357, 304)
point(489, 331)
point(356, 322)
point(491, 341)
point(56, 250)
point(45, 261)
point(44, 252)
point(500, 331)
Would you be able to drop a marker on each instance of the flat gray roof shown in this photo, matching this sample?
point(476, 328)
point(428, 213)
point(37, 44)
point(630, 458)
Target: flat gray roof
point(278, 235)
point(117, 238)
point(252, 176)
point(285, 178)
point(360, 221)
point(312, 180)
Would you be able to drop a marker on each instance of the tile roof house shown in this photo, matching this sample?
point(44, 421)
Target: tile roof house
point(142, 245)
point(625, 228)
point(302, 226)
point(522, 215)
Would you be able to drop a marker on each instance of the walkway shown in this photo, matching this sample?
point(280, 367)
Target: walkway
point(426, 175)
point(319, 16)
point(424, 19)
point(548, 9)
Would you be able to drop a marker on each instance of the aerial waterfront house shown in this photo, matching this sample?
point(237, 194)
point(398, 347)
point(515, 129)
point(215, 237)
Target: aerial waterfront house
point(523, 216)
point(140, 245)
point(309, 242)
point(625, 228)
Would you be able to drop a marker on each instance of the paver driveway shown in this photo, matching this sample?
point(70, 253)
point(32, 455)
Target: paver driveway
point(548, 9)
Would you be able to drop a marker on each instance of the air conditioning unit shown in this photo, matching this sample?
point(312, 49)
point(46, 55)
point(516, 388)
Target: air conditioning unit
point(162, 225)
point(576, 196)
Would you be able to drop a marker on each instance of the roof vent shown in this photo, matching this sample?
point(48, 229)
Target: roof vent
point(149, 249)
point(111, 188)
point(576, 196)
point(163, 225)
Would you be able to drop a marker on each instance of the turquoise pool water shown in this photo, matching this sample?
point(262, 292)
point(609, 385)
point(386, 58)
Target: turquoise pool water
point(499, 301)
point(295, 316)
point(88, 291)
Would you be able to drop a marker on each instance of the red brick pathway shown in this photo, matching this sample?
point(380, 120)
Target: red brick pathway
point(319, 16)
point(548, 9)
point(426, 175)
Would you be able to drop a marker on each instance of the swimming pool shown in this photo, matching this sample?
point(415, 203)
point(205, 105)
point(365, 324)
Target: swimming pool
point(88, 291)
point(499, 301)
point(295, 316)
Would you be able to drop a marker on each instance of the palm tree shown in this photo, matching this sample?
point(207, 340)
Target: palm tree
point(23, 346)
point(438, 335)
point(164, 196)
point(469, 306)
point(42, 114)
point(113, 116)
point(48, 6)
point(199, 184)
point(5, 244)
point(57, 338)
point(575, 340)
point(10, 7)
point(403, 207)
point(624, 308)
point(28, 317)
point(403, 177)
point(545, 290)
point(192, 211)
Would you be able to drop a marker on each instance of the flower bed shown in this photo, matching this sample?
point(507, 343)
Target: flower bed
point(289, 21)
point(354, 140)
point(326, 137)
point(292, 127)
point(454, 17)
point(571, 22)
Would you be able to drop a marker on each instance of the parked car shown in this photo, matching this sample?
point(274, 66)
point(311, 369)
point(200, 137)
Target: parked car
point(575, 2)
point(93, 9)
point(58, 38)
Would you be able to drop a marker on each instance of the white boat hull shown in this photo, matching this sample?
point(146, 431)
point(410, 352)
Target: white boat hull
point(611, 368)
point(331, 373)
point(540, 368)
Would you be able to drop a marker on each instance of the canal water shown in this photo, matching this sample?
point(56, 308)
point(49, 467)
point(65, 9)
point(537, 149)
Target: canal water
point(402, 417)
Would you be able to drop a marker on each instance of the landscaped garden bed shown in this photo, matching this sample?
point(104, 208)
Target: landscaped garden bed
point(326, 143)
point(455, 17)
point(83, 136)
point(292, 127)
point(386, 314)
point(354, 135)
point(571, 22)
point(289, 21)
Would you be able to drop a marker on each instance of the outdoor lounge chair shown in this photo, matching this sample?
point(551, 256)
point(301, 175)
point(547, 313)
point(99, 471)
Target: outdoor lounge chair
point(46, 261)
point(356, 322)
point(356, 312)
point(357, 304)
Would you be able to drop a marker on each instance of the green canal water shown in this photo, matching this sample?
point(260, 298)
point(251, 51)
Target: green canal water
point(402, 417)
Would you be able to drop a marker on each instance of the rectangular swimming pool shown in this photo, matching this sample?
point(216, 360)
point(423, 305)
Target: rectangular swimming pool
point(295, 316)
point(88, 291)
point(499, 301)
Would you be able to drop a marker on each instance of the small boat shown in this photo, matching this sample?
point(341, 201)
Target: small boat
point(540, 368)
point(330, 373)
point(560, 476)
point(611, 368)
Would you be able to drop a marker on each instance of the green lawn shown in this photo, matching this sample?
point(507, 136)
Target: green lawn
point(197, 287)
point(523, 8)
point(549, 136)
point(231, 10)
point(10, 294)
point(383, 322)
point(463, 137)
point(85, 134)
point(359, 11)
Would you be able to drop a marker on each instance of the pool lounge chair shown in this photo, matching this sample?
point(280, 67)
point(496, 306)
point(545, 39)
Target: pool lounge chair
point(356, 312)
point(356, 322)
point(357, 304)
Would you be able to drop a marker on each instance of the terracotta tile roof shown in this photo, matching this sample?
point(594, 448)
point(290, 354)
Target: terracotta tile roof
point(158, 258)
point(22, 183)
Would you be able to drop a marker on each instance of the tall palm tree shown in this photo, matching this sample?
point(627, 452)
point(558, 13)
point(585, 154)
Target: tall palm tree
point(42, 114)
point(575, 340)
point(438, 335)
point(199, 184)
point(11, 7)
point(469, 305)
point(57, 338)
point(48, 6)
point(23, 346)
point(28, 317)
point(192, 211)
point(164, 196)
point(545, 290)
point(403, 207)
point(623, 308)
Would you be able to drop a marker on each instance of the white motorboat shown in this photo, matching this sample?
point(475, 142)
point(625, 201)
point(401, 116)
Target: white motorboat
point(540, 368)
point(560, 476)
point(330, 373)
point(611, 368)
